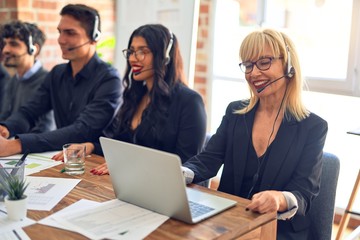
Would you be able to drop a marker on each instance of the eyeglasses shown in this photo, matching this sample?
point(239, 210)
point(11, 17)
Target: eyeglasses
point(139, 54)
point(262, 64)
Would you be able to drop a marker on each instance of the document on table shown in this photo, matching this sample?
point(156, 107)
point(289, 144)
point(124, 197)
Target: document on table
point(35, 162)
point(13, 234)
point(12, 229)
point(81, 204)
point(45, 192)
point(114, 219)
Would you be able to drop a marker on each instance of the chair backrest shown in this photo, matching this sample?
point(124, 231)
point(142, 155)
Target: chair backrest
point(322, 210)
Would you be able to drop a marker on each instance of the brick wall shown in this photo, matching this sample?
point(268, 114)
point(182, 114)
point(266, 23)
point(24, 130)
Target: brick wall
point(203, 49)
point(45, 13)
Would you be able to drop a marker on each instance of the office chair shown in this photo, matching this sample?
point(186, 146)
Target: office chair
point(323, 207)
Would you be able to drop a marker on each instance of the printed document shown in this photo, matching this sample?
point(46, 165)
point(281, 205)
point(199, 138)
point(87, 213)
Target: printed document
point(81, 204)
point(45, 192)
point(11, 229)
point(113, 219)
point(34, 162)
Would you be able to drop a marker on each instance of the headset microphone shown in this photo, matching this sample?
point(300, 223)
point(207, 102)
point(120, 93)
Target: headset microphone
point(137, 73)
point(262, 89)
point(76, 47)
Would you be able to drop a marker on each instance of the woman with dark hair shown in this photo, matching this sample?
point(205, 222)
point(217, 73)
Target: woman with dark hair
point(158, 109)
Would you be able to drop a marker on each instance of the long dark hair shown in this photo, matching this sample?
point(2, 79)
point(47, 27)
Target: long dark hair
point(166, 76)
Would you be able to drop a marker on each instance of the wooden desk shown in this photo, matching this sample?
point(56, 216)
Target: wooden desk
point(235, 223)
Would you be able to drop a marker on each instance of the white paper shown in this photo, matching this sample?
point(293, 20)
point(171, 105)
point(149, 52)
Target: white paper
point(114, 219)
point(7, 225)
point(81, 204)
point(35, 162)
point(14, 234)
point(45, 192)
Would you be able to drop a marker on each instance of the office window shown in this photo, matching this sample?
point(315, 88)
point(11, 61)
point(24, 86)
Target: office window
point(325, 33)
point(321, 30)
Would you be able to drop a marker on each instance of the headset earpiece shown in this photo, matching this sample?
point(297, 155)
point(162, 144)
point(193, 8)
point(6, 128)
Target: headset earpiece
point(290, 71)
point(96, 32)
point(31, 47)
point(168, 49)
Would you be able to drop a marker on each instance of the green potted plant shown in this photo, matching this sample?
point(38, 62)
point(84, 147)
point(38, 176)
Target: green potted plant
point(15, 199)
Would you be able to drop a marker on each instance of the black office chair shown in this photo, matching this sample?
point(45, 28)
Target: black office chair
point(322, 210)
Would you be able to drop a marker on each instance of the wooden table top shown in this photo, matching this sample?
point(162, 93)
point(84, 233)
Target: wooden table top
point(230, 224)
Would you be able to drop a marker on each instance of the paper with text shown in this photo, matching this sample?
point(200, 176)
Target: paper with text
point(81, 204)
point(35, 162)
point(7, 226)
point(45, 192)
point(114, 219)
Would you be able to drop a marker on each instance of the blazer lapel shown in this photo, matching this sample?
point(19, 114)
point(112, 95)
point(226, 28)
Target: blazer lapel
point(241, 136)
point(279, 150)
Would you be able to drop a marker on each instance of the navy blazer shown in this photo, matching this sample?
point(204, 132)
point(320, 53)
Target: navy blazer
point(294, 162)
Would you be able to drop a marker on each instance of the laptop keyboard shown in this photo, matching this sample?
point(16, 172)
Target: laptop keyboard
point(198, 209)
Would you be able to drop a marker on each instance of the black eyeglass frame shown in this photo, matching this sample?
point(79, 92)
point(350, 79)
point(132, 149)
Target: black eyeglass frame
point(140, 52)
point(244, 68)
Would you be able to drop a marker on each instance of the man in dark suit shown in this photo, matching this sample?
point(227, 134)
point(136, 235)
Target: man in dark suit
point(84, 93)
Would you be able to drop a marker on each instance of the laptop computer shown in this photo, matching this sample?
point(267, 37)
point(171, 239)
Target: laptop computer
point(153, 180)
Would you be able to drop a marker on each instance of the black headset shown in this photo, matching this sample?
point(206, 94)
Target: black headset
point(96, 34)
point(168, 49)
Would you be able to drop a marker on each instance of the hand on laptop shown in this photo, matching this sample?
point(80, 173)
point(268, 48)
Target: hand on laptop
point(100, 170)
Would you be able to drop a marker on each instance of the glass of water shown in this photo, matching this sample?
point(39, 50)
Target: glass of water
point(74, 158)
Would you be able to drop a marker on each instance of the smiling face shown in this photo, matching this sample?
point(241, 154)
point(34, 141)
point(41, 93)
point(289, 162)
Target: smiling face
point(15, 55)
point(141, 60)
point(73, 36)
point(258, 79)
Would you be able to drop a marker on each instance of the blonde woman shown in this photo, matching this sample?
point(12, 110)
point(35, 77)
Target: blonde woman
point(271, 145)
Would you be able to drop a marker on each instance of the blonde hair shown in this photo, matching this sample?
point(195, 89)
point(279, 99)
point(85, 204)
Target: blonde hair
point(253, 47)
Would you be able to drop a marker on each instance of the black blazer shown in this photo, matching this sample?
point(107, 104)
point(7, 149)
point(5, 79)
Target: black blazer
point(294, 162)
point(181, 131)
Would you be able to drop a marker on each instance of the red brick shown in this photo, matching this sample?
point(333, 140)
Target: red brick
point(9, 4)
point(204, 8)
point(41, 4)
point(200, 68)
point(23, 3)
point(48, 17)
point(200, 79)
point(26, 16)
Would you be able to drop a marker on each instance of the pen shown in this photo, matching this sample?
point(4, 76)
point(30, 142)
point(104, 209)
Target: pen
point(20, 162)
point(22, 159)
point(124, 232)
point(16, 234)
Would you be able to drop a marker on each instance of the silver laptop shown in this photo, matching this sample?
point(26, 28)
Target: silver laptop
point(153, 179)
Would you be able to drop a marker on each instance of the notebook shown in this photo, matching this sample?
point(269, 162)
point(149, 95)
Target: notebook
point(153, 180)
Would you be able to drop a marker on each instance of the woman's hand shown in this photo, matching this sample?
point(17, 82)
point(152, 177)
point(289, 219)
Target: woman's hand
point(268, 201)
point(89, 149)
point(100, 170)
